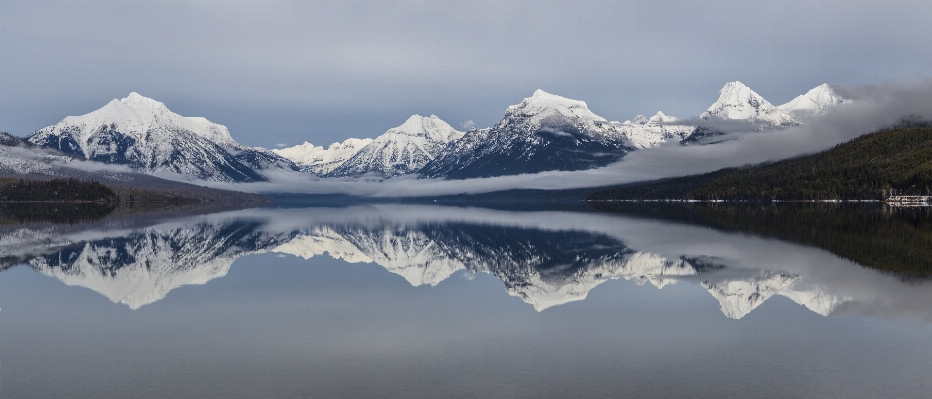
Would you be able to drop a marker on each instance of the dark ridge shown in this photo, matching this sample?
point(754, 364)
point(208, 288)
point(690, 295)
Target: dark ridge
point(509, 150)
point(871, 167)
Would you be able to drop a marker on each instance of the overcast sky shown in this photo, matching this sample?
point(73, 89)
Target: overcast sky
point(286, 72)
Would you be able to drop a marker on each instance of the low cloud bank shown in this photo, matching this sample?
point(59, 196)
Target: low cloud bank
point(874, 107)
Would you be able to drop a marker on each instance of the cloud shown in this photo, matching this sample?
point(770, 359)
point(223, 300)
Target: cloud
point(281, 145)
point(555, 132)
point(468, 124)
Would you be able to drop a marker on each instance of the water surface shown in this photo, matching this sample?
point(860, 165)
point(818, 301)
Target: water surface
point(424, 301)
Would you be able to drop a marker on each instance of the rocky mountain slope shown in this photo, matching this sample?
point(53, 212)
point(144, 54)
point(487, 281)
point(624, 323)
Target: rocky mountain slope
point(545, 132)
point(143, 134)
point(20, 159)
point(738, 102)
point(401, 150)
point(318, 160)
point(815, 101)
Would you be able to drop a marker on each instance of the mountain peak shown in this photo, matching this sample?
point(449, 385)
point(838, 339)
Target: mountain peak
point(137, 101)
point(431, 126)
point(144, 134)
point(661, 118)
point(418, 120)
point(816, 100)
point(735, 85)
point(542, 104)
point(737, 101)
point(541, 98)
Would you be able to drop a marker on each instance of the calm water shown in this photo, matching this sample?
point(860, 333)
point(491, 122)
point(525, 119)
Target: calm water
point(434, 301)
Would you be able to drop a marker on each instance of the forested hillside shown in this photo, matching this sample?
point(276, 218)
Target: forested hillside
point(58, 190)
point(873, 166)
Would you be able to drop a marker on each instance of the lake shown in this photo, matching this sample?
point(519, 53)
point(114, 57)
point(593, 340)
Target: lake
point(415, 300)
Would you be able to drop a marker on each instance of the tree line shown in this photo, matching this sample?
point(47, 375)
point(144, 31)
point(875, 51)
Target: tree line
point(55, 190)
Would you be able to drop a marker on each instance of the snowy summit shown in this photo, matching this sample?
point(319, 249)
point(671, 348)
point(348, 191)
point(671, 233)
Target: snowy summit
point(144, 134)
point(815, 101)
point(738, 102)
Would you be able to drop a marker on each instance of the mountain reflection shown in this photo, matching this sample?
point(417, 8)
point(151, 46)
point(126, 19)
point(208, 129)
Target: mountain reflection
point(142, 266)
point(544, 258)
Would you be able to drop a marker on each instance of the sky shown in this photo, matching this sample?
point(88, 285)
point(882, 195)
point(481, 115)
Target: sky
point(288, 72)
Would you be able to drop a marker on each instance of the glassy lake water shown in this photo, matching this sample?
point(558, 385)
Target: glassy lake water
point(439, 301)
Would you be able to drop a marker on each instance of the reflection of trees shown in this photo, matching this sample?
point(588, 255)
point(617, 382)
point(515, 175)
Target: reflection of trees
point(872, 235)
point(55, 212)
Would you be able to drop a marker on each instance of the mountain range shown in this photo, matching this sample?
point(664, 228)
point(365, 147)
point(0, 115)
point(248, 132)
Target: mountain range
point(544, 132)
point(549, 132)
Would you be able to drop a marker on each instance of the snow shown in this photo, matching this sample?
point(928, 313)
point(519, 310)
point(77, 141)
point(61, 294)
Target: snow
point(432, 128)
point(24, 161)
point(661, 118)
point(144, 134)
point(542, 104)
point(401, 150)
point(136, 115)
point(815, 101)
point(641, 133)
point(405, 149)
point(738, 102)
point(320, 160)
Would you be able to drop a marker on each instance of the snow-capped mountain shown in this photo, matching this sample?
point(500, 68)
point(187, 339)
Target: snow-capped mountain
point(401, 150)
point(738, 102)
point(815, 101)
point(144, 134)
point(319, 160)
point(544, 132)
point(642, 132)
